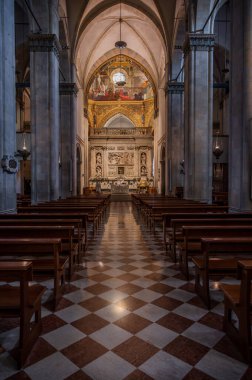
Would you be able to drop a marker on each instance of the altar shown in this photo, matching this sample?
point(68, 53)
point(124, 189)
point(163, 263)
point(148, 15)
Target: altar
point(120, 187)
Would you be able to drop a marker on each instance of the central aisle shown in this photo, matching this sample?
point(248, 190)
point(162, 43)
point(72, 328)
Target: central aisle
point(129, 314)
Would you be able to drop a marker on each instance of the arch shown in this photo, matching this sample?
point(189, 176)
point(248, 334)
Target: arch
point(162, 168)
point(216, 11)
point(124, 122)
point(114, 112)
point(100, 8)
point(143, 37)
point(78, 168)
point(64, 57)
point(125, 57)
point(176, 72)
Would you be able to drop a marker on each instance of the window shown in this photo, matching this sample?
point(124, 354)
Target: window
point(119, 77)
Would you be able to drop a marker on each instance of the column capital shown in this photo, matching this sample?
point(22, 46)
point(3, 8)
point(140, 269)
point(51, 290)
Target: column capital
point(44, 43)
point(198, 41)
point(173, 87)
point(66, 88)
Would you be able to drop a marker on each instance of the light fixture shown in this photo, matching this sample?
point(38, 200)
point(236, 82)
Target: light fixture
point(120, 44)
point(217, 146)
point(120, 77)
point(24, 152)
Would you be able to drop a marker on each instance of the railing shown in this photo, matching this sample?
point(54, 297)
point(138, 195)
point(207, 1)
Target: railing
point(120, 132)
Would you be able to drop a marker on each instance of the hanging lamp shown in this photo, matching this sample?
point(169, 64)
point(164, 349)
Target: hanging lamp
point(120, 80)
point(120, 44)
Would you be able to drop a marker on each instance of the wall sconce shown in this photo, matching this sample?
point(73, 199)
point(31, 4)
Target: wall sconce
point(24, 152)
point(217, 146)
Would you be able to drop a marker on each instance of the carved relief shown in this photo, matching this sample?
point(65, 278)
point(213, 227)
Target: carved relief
point(121, 158)
point(112, 172)
point(143, 158)
point(98, 171)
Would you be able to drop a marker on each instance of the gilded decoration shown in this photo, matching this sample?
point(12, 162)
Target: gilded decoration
point(106, 98)
point(140, 112)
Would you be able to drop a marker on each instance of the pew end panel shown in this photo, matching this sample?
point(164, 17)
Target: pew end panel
point(23, 302)
point(238, 301)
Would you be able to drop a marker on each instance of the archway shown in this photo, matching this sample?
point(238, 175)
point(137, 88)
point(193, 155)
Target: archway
point(78, 169)
point(119, 121)
point(162, 170)
point(221, 102)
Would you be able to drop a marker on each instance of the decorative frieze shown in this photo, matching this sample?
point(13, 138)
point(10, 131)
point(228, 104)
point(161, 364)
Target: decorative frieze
point(44, 43)
point(198, 41)
point(141, 132)
point(68, 88)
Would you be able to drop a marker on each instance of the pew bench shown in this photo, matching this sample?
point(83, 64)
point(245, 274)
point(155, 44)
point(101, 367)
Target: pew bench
point(167, 217)
point(175, 236)
point(238, 300)
point(156, 212)
point(69, 249)
point(91, 212)
point(79, 236)
point(23, 302)
point(45, 255)
point(54, 217)
point(218, 258)
point(191, 245)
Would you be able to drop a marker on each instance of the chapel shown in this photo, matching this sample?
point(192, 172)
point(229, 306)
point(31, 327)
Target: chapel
point(125, 189)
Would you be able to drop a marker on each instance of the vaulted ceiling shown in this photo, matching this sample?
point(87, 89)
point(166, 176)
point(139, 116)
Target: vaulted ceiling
point(146, 27)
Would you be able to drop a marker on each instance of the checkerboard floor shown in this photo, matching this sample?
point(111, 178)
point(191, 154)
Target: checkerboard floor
point(127, 314)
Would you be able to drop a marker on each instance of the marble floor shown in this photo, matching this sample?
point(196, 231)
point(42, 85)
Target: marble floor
point(127, 314)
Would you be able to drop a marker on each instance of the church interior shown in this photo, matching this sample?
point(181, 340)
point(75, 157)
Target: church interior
point(126, 189)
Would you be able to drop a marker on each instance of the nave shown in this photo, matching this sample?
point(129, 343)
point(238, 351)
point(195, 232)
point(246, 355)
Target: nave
point(128, 313)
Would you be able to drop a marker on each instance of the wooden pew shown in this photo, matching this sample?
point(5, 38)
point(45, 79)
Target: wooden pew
point(22, 302)
point(176, 235)
point(156, 212)
point(191, 245)
point(45, 255)
point(79, 236)
point(91, 212)
point(218, 257)
point(67, 217)
point(167, 217)
point(238, 299)
point(65, 233)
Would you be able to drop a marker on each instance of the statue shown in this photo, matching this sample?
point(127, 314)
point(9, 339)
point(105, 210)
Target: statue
point(98, 158)
point(143, 158)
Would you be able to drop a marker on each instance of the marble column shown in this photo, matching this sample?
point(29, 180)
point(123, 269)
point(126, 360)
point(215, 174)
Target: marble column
point(68, 179)
point(7, 107)
point(198, 100)
point(44, 77)
point(240, 148)
point(175, 135)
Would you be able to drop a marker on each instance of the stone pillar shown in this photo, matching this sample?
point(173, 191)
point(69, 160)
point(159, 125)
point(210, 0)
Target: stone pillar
point(7, 107)
point(198, 49)
point(44, 77)
point(175, 135)
point(240, 156)
point(68, 179)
